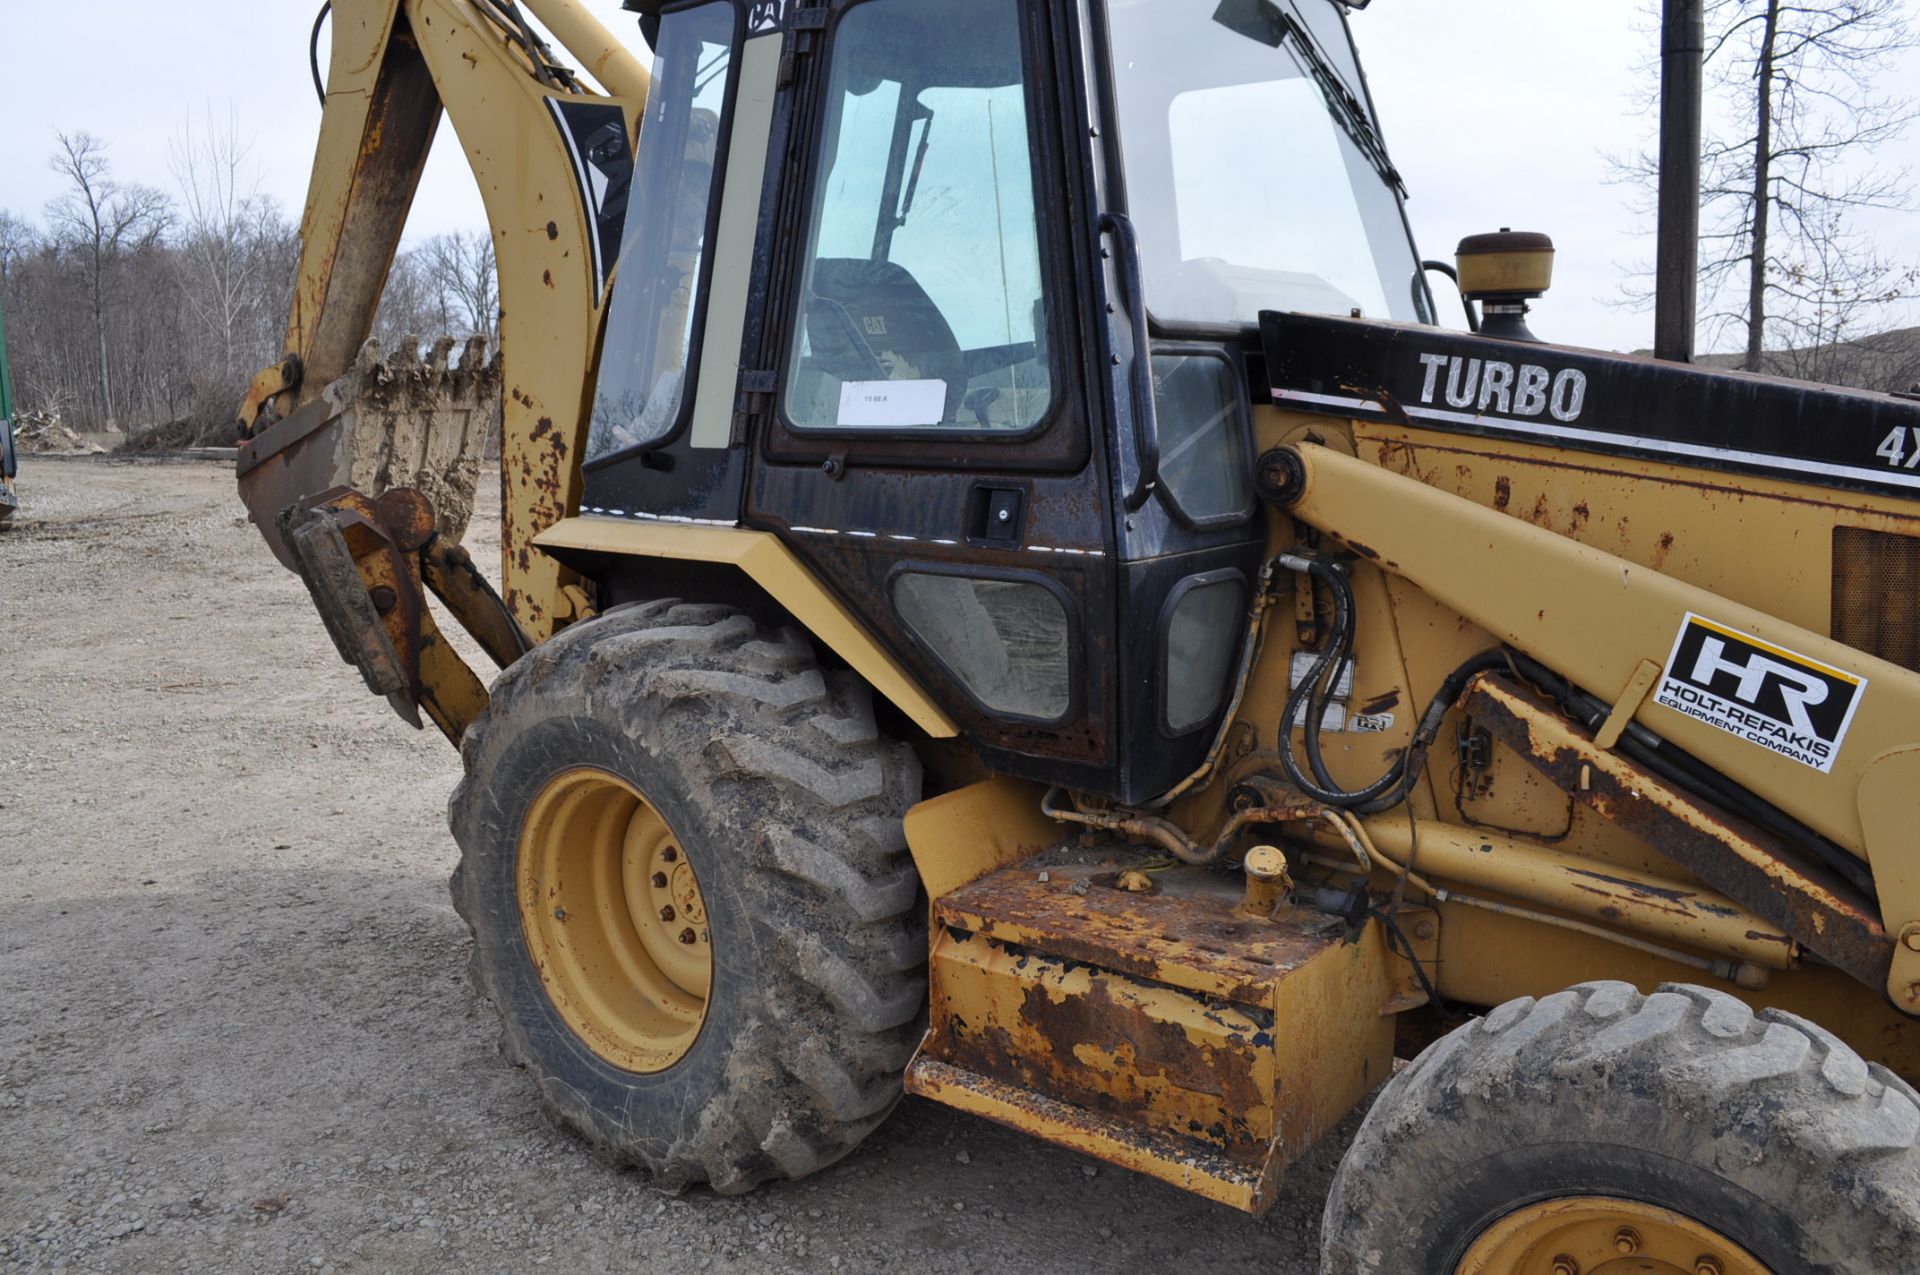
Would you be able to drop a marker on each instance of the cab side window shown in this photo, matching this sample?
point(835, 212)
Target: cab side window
point(649, 348)
point(922, 304)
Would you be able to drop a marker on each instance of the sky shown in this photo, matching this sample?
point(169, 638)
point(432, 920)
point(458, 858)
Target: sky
point(1497, 112)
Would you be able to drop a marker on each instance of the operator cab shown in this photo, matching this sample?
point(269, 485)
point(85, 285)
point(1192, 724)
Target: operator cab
point(959, 297)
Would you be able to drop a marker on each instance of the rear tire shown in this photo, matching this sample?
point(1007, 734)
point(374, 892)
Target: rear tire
point(1765, 1128)
point(788, 803)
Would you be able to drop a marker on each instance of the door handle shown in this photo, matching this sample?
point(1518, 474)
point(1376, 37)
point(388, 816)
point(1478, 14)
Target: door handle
point(1146, 421)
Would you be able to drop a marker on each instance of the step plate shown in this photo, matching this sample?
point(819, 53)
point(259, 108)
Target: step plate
point(1171, 1159)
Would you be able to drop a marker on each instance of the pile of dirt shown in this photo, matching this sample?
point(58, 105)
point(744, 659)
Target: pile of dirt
point(179, 435)
point(42, 432)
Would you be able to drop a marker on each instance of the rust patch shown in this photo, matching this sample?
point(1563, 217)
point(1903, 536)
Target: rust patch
point(1169, 1157)
point(1092, 1038)
point(1661, 549)
point(1149, 1048)
point(1502, 493)
point(1580, 515)
point(1396, 451)
point(1751, 867)
point(1148, 936)
point(553, 231)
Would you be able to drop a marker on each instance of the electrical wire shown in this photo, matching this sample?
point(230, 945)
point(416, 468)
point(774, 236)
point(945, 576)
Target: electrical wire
point(1398, 944)
point(313, 51)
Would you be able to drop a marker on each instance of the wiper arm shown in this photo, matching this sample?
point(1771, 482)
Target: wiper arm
point(1267, 22)
point(1348, 111)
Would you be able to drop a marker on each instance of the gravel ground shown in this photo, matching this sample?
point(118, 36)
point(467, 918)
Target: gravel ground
point(235, 1032)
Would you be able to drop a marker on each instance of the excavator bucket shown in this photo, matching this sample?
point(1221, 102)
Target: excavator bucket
point(390, 422)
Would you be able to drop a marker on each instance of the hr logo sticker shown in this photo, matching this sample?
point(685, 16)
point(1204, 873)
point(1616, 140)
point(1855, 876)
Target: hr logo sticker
point(1765, 694)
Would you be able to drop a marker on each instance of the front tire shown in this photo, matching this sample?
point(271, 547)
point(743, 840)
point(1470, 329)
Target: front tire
point(672, 758)
point(1599, 1125)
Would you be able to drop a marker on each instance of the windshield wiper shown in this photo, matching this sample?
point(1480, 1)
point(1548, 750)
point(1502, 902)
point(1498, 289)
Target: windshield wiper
point(1267, 22)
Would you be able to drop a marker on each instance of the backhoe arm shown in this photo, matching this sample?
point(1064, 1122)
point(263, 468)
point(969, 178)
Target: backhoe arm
point(553, 159)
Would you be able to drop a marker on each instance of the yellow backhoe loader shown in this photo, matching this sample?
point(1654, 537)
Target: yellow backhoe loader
point(1009, 594)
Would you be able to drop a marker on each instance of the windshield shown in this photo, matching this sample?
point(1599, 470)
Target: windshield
point(1254, 174)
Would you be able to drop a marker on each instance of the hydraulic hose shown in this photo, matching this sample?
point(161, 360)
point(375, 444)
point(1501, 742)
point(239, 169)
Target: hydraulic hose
point(1316, 688)
point(313, 51)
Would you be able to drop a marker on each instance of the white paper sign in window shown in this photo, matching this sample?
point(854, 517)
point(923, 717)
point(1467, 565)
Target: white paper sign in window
point(891, 404)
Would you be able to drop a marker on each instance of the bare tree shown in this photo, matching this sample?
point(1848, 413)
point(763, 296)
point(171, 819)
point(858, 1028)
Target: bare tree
point(1781, 262)
point(1782, 190)
point(18, 238)
point(461, 265)
point(220, 206)
point(1827, 301)
point(103, 219)
point(408, 302)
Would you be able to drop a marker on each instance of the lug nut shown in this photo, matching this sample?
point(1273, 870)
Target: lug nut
point(666, 913)
point(1564, 1265)
point(687, 936)
point(659, 880)
point(1707, 1265)
point(669, 855)
point(559, 914)
point(383, 598)
point(1626, 1240)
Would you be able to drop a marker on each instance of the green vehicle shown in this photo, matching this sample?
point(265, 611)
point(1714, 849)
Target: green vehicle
point(8, 460)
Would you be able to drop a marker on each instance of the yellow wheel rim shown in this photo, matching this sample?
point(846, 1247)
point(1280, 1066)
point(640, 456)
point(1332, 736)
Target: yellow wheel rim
point(1599, 1235)
point(614, 920)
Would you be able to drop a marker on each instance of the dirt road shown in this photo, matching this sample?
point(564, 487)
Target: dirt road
point(235, 1030)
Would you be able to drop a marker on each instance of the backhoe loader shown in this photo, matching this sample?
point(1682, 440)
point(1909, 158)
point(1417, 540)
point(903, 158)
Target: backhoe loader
point(1009, 594)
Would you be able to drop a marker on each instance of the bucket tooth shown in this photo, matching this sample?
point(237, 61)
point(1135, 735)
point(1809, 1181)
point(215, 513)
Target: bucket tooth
point(437, 360)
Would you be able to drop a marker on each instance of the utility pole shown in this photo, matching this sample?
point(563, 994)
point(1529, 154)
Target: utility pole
point(1683, 42)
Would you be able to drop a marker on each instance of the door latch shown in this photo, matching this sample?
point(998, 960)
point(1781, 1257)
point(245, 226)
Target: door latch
point(996, 516)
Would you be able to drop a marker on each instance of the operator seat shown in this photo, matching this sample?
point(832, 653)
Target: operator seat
point(871, 320)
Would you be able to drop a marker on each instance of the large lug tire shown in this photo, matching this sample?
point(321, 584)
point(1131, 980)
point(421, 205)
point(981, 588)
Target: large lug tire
point(788, 803)
point(1765, 1130)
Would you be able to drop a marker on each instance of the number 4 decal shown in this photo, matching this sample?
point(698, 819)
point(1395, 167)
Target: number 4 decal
point(1893, 448)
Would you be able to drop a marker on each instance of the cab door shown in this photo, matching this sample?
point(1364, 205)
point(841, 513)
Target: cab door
point(919, 421)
